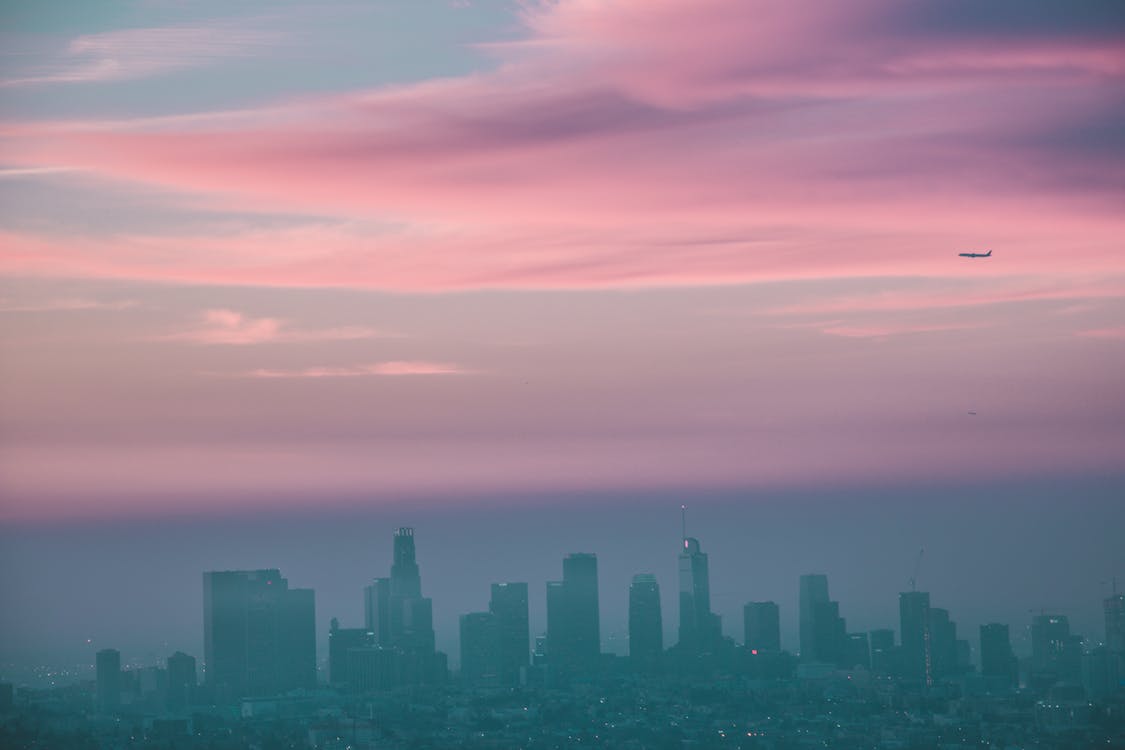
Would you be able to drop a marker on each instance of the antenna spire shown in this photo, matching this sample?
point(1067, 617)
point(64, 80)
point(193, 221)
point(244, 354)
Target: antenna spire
point(683, 522)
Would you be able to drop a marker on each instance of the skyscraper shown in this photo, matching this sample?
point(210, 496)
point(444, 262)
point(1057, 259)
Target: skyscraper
point(259, 636)
point(914, 624)
point(646, 626)
point(181, 681)
point(700, 629)
point(377, 610)
point(509, 606)
point(573, 622)
point(480, 649)
point(857, 651)
point(998, 664)
point(943, 643)
point(341, 641)
point(823, 631)
point(1115, 623)
point(1056, 654)
point(762, 626)
point(107, 664)
point(813, 591)
point(400, 620)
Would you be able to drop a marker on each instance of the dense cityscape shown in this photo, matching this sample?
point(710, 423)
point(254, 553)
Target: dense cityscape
point(387, 686)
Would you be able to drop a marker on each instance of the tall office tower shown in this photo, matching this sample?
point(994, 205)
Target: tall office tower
point(580, 573)
point(377, 610)
point(108, 669)
point(830, 634)
point(341, 641)
point(1056, 654)
point(1115, 623)
point(480, 649)
point(914, 624)
point(943, 643)
point(573, 622)
point(761, 626)
point(410, 616)
point(998, 665)
point(259, 635)
point(813, 591)
point(700, 629)
point(406, 581)
point(857, 651)
point(181, 681)
point(509, 606)
point(400, 620)
point(646, 626)
point(883, 653)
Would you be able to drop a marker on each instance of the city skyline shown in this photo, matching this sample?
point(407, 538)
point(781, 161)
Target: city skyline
point(613, 632)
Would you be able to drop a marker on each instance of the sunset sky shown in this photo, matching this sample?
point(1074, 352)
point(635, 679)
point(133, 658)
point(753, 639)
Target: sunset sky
point(415, 259)
point(427, 248)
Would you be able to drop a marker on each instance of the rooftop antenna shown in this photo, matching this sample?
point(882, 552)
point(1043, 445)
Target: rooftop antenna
point(917, 567)
point(683, 524)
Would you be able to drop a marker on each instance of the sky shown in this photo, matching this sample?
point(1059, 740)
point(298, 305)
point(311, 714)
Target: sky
point(273, 259)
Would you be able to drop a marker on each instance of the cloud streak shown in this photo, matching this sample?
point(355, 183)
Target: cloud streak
point(613, 143)
point(231, 328)
point(394, 368)
point(142, 53)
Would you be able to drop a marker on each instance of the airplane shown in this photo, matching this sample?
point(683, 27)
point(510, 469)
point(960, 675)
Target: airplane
point(975, 255)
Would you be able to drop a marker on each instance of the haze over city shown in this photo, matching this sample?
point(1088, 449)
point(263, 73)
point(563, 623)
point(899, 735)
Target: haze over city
point(279, 278)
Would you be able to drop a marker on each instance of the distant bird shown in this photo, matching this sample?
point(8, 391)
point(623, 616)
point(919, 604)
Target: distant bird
point(975, 255)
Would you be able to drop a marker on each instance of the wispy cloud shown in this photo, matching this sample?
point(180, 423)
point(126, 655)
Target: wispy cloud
point(883, 331)
point(1117, 332)
point(392, 368)
point(68, 304)
point(229, 327)
point(141, 53)
point(612, 144)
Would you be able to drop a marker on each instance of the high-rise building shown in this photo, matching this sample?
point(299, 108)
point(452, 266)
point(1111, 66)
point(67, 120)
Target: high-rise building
point(341, 641)
point(943, 643)
point(700, 628)
point(762, 626)
point(259, 635)
point(400, 621)
point(509, 606)
point(857, 651)
point(181, 681)
point(916, 657)
point(813, 591)
point(823, 632)
point(377, 610)
point(883, 652)
point(998, 665)
point(480, 649)
point(573, 622)
point(107, 664)
point(1115, 623)
point(646, 626)
point(1056, 654)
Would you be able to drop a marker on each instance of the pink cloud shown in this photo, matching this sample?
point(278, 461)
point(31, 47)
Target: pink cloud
point(1117, 332)
point(883, 331)
point(66, 304)
point(640, 144)
point(229, 327)
point(393, 368)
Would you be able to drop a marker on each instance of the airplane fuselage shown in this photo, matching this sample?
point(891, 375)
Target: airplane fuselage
point(976, 255)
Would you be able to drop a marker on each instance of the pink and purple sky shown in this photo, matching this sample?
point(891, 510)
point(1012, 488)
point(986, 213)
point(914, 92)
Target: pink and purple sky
point(390, 250)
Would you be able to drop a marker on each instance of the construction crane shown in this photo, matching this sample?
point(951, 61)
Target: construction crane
point(917, 567)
